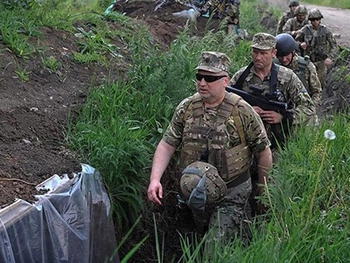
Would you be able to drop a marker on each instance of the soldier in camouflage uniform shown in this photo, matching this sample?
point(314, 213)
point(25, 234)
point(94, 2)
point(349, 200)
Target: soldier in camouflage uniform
point(227, 10)
point(289, 87)
point(290, 14)
point(302, 66)
point(318, 42)
point(280, 84)
point(222, 130)
point(297, 22)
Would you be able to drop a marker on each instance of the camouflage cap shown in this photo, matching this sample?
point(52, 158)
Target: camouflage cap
point(263, 41)
point(214, 62)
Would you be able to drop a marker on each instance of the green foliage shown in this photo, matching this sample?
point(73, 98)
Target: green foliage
point(121, 123)
point(338, 3)
point(22, 73)
point(51, 63)
point(13, 32)
point(112, 133)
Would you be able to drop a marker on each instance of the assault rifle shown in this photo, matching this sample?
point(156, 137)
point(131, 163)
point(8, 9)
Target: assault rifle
point(256, 98)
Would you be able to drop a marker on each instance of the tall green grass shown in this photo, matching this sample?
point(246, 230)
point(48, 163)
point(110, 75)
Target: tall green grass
point(308, 196)
point(120, 124)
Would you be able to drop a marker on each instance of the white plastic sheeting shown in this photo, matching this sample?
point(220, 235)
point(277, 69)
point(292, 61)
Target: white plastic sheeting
point(70, 223)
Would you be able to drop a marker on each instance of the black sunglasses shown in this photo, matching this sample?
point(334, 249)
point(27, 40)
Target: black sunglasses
point(314, 19)
point(208, 78)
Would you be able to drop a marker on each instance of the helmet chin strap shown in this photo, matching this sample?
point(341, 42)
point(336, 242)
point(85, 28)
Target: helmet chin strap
point(198, 197)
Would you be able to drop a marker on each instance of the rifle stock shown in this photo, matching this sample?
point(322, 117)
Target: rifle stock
point(256, 98)
point(262, 101)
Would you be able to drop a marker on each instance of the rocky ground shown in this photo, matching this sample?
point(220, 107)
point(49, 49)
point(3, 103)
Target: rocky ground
point(34, 113)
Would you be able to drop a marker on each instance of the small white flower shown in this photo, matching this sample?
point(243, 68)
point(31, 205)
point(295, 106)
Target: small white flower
point(329, 134)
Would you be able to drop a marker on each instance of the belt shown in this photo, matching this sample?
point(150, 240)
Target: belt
point(240, 179)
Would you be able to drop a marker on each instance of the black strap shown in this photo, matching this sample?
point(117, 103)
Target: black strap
point(273, 79)
point(243, 76)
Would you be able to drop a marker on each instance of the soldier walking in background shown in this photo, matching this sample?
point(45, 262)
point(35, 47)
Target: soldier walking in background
point(302, 66)
point(297, 22)
point(227, 10)
point(317, 41)
point(290, 14)
point(219, 133)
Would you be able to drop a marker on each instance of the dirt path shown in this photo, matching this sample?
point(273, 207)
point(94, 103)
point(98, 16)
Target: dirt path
point(338, 20)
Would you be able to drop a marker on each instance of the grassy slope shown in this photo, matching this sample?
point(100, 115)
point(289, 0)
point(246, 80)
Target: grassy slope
point(121, 123)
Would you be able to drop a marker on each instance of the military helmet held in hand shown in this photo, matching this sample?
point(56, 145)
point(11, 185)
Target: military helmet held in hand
point(214, 187)
point(285, 44)
point(315, 14)
point(300, 10)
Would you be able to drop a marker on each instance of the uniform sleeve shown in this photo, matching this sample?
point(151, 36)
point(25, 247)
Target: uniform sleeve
point(281, 23)
point(173, 133)
point(314, 84)
point(303, 106)
point(300, 37)
point(287, 28)
point(333, 46)
point(236, 76)
point(255, 132)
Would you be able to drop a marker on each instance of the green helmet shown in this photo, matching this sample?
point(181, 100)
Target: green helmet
point(315, 14)
point(201, 185)
point(293, 3)
point(300, 10)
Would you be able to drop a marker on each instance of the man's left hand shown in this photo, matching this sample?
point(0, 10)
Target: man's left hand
point(271, 117)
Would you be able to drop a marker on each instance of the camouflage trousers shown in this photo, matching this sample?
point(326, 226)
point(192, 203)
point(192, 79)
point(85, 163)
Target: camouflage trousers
point(321, 69)
point(229, 219)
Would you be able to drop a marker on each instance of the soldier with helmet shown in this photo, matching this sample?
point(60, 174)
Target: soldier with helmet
point(276, 82)
point(228, 10)
point(302, 66)
point(318, 42)
point(287, 15)
point(297, 22)
point(218, 134)
point(279, 84)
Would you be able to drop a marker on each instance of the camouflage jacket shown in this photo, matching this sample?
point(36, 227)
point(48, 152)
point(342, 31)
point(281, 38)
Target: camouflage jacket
point(283, 21)
point(292, 91)
point(291, 87)
point(204, 135)
point(321, 43)
point(293, 24)
point(306, 72)
point(225, 8)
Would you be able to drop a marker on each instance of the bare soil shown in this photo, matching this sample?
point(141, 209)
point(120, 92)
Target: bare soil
point(35, 113)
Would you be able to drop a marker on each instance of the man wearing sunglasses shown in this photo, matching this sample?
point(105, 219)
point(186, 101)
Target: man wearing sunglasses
point(216, 131)
point(318, 43)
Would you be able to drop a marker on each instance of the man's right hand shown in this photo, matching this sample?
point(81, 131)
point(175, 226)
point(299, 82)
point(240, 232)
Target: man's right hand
point(155, 192)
